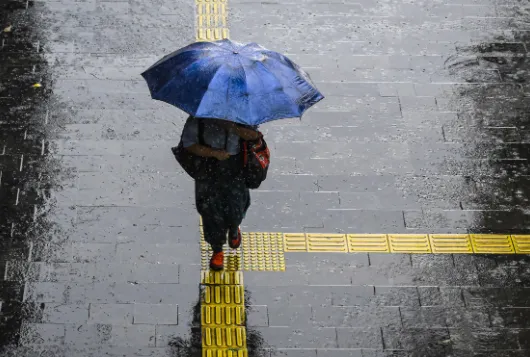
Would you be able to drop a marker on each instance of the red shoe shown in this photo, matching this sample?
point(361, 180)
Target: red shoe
point(235, 239)
point(217, 261)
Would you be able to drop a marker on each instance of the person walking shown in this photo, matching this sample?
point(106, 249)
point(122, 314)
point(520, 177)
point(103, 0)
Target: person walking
point(228, 89)
point(222, 198)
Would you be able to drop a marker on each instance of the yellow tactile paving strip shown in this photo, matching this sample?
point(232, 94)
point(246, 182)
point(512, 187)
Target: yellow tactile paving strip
point(223, 316)
point(408, 243)
point(211, 20)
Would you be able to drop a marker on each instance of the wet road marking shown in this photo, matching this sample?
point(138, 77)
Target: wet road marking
point(211, 20)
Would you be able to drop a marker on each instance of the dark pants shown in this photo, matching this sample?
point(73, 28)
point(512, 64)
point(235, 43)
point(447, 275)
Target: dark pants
point(222, 205)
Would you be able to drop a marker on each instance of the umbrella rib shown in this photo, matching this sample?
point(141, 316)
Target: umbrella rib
point(184, 69)
point(246, 83)
point(290, 99)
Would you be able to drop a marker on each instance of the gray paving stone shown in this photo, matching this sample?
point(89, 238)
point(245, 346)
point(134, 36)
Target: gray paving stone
point(509, 317)
point(113, 314)
point(42, 334)
point(93, 252)
point(294, 352)
point(296, 295)
point(257, 315)
point(167, 333)
point(360, 337)
point(340, 353)
point(391, 296)
point(287, 337)
point(487, 338)
point(70, 272)
point(45, 292)
point(65, 314)
point(416, 339)
point(157, 253)
point(154, 273)
point(290, 316)
point(24, 271)
point(335, 316)
point(351, 295)
point(424, 317)
point(156, 314)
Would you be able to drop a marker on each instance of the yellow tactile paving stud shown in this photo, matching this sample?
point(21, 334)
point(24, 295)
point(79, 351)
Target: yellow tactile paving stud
point(223, 352)
point(223, 295)
point(318, 242)
point(224, 277)
point(222, 315)
point(232, 257)
point(409, 243)
point(212, 22)
point(451, 243)
point(263, 251)
point(228, 337)
point(521, 243)
point(492, 244)
point(368, 243)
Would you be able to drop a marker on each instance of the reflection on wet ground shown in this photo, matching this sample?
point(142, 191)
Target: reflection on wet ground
point(423, 130)
point(24, 170)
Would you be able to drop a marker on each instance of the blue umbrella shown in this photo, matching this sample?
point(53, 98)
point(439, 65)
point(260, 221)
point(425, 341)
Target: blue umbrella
point(246, 84)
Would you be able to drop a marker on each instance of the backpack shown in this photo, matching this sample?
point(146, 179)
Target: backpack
point(256, 160)
point(197, 167)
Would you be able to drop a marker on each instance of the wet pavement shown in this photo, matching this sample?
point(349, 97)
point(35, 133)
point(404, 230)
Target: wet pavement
point(424, 129)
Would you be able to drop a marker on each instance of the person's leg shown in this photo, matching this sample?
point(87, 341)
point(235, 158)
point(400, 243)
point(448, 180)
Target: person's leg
point(214, 234)
point(207, 203)
point(239, 201)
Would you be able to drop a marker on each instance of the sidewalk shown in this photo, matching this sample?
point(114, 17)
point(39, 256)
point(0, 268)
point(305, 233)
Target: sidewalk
point(423, 131)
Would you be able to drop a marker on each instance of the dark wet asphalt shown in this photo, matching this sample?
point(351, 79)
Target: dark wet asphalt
point(424, 129)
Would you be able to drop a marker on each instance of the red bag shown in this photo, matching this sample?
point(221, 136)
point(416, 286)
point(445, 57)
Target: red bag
point(256, 158)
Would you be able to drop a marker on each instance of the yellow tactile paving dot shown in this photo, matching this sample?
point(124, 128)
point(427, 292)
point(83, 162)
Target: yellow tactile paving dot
point(492, 244)
point(259, 251)
point(223, 352)
point(368, 243)
point(223, 295)
point(211, 20)
point(232, 257)
point(521, 243)
point(231, 337)
point(409, 243)
point(317, 242)
point(222, 315)
point(263, 251)
point(451, 243)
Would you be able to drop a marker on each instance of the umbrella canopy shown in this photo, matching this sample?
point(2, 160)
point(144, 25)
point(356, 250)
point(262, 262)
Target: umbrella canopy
point(246, 84)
